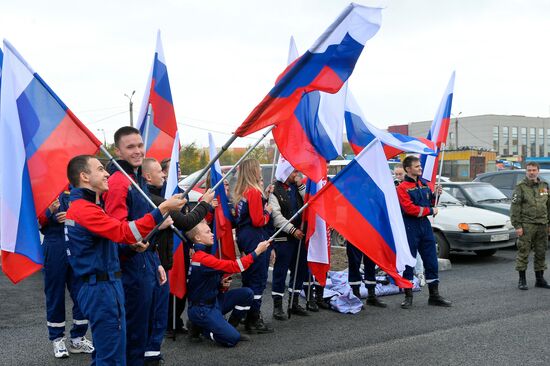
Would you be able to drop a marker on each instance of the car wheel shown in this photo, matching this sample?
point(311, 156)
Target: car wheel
point(336, 239)
point(486, 252)
point(441, 245)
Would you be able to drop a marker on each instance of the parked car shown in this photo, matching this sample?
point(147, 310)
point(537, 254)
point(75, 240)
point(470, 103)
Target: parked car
point(200, 187)
point(461, 228)
point(479, 194)
point(506, 180)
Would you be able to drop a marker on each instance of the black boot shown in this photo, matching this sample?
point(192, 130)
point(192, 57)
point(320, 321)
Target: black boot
point(356, 291)
point(435, 299)
point(319, 299)
point(234, 320)
point(522, 284)
point(296, 308)
point(373, 300)
point(254, 324)
point(541, 282)
point(408, 302)
point(193, 332)
point(311, 305)
point(278, 312)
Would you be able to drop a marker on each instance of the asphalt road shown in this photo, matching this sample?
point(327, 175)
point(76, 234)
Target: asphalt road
point(491, 323)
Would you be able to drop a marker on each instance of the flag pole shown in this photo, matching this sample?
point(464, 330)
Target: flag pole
point(440, 170)
point(275, 154)
point(295, 270)
point(136, 186)
point(147, 122)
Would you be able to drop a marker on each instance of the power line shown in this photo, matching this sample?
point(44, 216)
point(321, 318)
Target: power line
point(216, 131)
point(107, 117)
point(99, 109)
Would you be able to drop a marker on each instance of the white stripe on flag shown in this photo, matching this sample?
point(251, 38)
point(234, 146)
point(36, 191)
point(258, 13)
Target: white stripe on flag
point(173, 172)
point(318, 245)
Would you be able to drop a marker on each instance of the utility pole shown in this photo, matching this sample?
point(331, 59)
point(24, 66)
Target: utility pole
point(131, 107)
point(456, 129)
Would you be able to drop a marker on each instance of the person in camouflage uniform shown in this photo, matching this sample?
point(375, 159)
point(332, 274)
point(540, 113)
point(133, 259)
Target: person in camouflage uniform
point(530, 214)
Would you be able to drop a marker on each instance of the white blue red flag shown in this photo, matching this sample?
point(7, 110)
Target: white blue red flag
point(176, 276)
point(38, 137)
point(1, 58)
point(157, 118)
point(325, 67)
point(361, 203)
point(222, 222)
point(313, 134)
point(317, 236)
point(439, 131)
point(360, 133)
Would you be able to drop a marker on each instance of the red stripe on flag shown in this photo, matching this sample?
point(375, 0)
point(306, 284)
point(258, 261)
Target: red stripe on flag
point(177, 275)
point(327, 81)
point(294, 145)
point(163, 113)
point(18, 267)
point(161, 148)
point(341, 215)
point(48, 165)
point(443, 131)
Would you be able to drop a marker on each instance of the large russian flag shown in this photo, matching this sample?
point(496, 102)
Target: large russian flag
point(313, 134)
point(439, 131)
point(317, 236)
point(157, 119)
point(223, 228)
point(176, 276)
point(38, 137)
point(360, 133)
point(325, 67)
point(361, 203)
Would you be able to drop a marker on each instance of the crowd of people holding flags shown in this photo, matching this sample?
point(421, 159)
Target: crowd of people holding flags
point(115, 231)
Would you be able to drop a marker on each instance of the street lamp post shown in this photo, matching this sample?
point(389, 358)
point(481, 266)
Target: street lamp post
point(131, 105)
point(104, 136)
point(456, 128)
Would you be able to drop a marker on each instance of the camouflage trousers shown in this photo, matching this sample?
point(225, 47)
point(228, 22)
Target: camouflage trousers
point(535, 238)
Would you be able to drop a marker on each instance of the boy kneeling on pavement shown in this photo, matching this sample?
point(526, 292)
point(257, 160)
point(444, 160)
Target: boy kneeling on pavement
point(207, 304)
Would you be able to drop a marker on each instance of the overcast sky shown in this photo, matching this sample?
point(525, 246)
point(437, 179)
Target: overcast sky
point(224, 56)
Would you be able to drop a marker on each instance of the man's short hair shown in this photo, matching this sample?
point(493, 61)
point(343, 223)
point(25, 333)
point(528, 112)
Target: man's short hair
point(409, 161)
point(124, 131)
point(77, 165)
point(146, 165)
point(533, 163)
point(191, 233)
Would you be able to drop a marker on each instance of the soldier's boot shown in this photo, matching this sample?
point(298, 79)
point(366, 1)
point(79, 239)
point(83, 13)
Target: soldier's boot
point(254, 323)
point(278, 311)
point(435, 298)
point(356, 290)
point(295, 307)
point(311, 304)
point(522, 284)
point(408, 301)
point(541, 282)
point(319, 299)
point(193, 332)
point(373, 300)
point(234, 320)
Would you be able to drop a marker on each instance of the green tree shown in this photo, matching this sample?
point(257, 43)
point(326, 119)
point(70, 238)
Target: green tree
point(190, 158)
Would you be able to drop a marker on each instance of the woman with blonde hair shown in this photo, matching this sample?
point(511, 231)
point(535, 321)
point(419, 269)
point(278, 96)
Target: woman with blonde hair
point(254, 225)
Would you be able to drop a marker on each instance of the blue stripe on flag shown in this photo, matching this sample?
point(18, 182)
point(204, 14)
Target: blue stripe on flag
point(160, 77)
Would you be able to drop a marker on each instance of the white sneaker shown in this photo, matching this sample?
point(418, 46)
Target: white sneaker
point(59, 348)
point(80, 345)
point(422, 279)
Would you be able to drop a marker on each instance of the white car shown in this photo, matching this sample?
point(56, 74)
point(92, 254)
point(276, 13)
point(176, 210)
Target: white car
point(461, 228)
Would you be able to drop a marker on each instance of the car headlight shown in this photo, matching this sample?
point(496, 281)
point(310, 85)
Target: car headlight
point(472, 228)
point(509, 225)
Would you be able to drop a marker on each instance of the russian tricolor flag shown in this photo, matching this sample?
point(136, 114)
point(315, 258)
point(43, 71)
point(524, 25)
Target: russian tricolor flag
point(361, 203)
point(176, 276)
point(313, 134)
point(38, 137)
point(222, 223)
point(439, 131)
point(325, 67)
point(157, 119)
point(317, 236)
point(360, 133)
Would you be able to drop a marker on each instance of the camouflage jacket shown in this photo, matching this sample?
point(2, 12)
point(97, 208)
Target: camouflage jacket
point(530, 203)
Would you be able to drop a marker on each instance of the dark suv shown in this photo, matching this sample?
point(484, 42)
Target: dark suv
point(506, 180)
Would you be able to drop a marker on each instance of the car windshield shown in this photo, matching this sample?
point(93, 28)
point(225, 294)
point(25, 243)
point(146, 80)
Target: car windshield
point(484, 193)
point(447, 199)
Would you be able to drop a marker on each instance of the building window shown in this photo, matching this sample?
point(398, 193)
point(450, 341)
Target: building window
point(524, 142)
point(495, 139)
point(505, 141)
point(532, 141)
point(514, 140)
point(541, 141)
